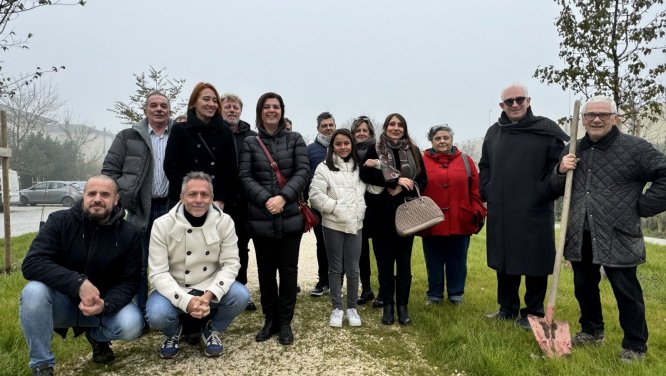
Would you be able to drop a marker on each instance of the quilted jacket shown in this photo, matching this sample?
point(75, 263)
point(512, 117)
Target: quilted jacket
point(338, 195)
point(259, 182)
point(608, 188)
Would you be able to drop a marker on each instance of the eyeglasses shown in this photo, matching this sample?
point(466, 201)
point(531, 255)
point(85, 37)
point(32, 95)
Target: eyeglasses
point(362, 118)
point(603, 116)
point(509, 101)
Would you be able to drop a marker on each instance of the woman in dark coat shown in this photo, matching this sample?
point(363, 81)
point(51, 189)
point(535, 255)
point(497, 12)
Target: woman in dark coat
point(394, 163)
point(203, 143)
point(275, 222)
point(364, 135)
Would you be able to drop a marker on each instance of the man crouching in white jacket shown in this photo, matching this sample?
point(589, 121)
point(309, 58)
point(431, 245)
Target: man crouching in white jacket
point(193, 262)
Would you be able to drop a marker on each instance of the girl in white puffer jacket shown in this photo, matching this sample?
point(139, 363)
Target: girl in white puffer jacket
point(337, 192)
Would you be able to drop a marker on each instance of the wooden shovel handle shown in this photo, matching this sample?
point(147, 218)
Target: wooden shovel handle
point(565, 216)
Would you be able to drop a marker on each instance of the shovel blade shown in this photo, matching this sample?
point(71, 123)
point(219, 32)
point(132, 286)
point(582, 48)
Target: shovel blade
point(553, 337)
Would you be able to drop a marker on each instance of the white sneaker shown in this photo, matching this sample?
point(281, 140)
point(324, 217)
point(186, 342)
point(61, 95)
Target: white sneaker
point(353, 317)
point(336, 318)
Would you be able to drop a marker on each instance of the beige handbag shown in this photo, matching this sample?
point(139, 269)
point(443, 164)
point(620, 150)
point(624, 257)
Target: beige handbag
point(417, 214)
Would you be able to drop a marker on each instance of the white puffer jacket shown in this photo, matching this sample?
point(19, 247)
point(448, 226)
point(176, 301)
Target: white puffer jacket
point(338, 195)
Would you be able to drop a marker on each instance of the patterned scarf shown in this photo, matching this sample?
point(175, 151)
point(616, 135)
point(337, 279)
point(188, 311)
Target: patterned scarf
point(385, 148)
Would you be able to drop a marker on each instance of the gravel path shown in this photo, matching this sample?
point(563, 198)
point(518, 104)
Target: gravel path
point(317, 349)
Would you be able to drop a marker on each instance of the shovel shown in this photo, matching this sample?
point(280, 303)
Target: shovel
point(553, 336)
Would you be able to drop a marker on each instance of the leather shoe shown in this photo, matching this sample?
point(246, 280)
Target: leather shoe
point(286, 336)
point(366, 296)
point(500, 315)
point(387, 317)
point(377, 303)
point(403, 315)
point(251, 306)
point(266, 331)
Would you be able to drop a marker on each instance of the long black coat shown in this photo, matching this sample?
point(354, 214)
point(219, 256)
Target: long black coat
point(186, 152)
point(259, 182)
point(515, 167)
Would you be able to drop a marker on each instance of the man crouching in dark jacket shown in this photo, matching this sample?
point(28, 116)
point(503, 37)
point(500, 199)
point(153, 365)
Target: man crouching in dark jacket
point(83, 270)
point(607, 201)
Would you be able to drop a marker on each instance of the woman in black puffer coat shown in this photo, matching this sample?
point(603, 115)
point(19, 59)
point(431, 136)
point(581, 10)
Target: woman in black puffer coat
point(275, 222)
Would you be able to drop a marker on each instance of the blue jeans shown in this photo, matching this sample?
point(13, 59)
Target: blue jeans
point(446, 254)
point(163, 316)
point(42, 309)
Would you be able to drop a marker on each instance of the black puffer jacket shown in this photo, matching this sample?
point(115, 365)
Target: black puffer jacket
point(187, 152)
point(608, 188)
point(70, 248)
point(260, 183)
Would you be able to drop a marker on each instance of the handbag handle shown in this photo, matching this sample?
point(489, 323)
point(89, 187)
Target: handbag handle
point(207, 148)
point(278, 174)
point(418, 194)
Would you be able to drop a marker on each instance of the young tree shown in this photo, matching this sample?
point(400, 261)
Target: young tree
point(9, 11)
point(606, 48)
point(132, 111)
point(29, 110)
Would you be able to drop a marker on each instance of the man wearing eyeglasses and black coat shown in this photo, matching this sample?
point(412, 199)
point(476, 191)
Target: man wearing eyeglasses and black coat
point(607, 201)
point(518, 156)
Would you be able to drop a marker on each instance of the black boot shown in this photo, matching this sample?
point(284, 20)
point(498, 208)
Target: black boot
point(101, 351)
point(286, 335)
point(366, 295)
point(403, 315)
point(387, 317)
point(266, 331)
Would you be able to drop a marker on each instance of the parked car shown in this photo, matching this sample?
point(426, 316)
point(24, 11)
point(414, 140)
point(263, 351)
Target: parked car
point(52, 192)
point(13, 189)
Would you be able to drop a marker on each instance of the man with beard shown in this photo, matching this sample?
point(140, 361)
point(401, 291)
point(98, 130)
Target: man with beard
point(519, 153)
point(317, 154)
point(232, 107)
point(83, 270)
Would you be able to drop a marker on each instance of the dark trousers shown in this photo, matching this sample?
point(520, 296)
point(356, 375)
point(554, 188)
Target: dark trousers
point(364, 262)
point(239, 214)
point(446, 256)
point(322, 258)
point(275, 255)
point(158, 208)
point(392, 251)
point(627, 291)
point(509, 301)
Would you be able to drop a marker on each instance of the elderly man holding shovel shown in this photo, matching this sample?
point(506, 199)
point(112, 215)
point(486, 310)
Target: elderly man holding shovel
point(611, 170)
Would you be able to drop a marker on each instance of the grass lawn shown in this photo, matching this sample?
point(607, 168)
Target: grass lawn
point(451, 340)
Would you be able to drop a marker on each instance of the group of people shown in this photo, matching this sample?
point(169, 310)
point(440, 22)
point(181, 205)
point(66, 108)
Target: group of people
point(196, 192)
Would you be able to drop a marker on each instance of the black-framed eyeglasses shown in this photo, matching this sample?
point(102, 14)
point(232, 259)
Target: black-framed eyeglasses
point(519, 100)
point(362, 118)
point(603, 116)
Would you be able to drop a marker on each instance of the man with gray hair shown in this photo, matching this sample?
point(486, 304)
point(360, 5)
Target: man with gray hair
point(519, 153)
point(192, 268)
point(232, 107)
point(607, 201)
point(135, 161)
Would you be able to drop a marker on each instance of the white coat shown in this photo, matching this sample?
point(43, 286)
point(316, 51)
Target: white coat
point(338, 195)
point(182, 257)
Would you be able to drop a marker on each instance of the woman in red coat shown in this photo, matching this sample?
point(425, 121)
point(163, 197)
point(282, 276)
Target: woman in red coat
point(454, 186)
